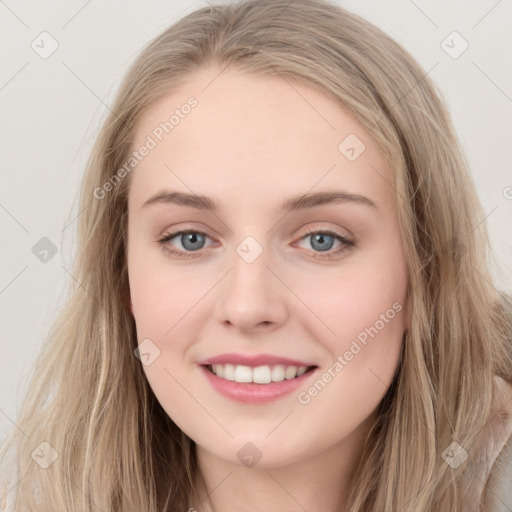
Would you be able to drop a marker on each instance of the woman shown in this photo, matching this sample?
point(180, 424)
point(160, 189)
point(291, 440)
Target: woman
point(225, 376)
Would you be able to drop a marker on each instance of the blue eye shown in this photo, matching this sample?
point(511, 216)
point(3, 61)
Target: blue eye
point(193, 241)
point(323, 241)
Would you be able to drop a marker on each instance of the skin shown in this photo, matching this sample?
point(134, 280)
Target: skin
point(252, 142)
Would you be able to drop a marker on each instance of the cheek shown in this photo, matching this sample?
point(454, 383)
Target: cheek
point(362, 313)
point(349, 302)
point(367, 317)
point(161, 294)
point(163, 305)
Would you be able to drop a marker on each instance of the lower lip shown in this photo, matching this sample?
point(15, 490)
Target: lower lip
point(251, 393)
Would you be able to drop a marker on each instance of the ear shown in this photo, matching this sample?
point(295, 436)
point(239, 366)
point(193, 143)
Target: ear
point(130, 306)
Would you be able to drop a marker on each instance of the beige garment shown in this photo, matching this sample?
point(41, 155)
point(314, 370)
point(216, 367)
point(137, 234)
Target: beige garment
point(491, 490)
point(498, 491)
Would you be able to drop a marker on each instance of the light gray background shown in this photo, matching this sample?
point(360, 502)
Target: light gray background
point(51, 110)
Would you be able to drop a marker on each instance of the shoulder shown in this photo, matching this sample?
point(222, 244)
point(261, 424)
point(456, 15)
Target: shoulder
point(497, 493)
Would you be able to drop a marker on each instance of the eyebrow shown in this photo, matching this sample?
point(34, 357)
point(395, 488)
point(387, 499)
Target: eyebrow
point(299, 202)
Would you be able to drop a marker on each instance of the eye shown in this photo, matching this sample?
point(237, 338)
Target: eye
point(193, 241)
point(190, 240)
point(323, 241)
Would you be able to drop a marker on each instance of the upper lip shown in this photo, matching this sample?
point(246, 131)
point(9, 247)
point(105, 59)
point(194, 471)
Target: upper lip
point(253, 360)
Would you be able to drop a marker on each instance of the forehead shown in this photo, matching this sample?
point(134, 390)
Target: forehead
point(252, 138)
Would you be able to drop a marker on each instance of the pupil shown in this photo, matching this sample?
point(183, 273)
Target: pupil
point(320, 238)
point(192, 238)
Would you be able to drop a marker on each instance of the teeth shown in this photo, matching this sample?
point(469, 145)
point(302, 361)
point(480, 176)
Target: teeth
point(219, 370)
point(291, 372)
point(229, 371)
point(243, 374)
point(258, 375)
point(261, 375)
point(278, 372)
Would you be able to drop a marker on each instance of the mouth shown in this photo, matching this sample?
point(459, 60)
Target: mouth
point(260, 375)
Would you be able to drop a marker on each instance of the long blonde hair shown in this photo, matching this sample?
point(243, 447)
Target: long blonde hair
point(89, 400)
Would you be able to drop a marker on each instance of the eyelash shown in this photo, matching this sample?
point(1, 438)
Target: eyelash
point(346, 244)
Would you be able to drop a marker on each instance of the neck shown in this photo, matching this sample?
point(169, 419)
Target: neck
point(321, 482)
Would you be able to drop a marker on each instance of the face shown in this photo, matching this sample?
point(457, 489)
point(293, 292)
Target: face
point(320, 283)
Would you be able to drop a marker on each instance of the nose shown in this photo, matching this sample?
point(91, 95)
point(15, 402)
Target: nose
point(252, 296)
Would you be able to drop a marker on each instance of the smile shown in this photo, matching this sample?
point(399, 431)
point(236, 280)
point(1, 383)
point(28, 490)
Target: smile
point(256, 385)
point(259, 374)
